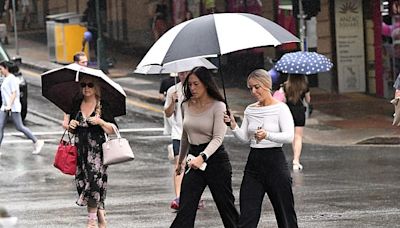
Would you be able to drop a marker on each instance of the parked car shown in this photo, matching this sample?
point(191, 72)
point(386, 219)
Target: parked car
point(23, 86)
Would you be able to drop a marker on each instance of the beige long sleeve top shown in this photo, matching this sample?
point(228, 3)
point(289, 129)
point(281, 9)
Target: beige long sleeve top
point(205, 127)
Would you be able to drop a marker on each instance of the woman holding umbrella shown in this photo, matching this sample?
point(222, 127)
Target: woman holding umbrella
point(202, 135)
point(267, 124)
point(93, 118)
point(296, 91)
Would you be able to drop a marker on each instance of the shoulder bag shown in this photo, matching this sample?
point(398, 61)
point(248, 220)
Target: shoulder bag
point(116, 150)
point(66, 156)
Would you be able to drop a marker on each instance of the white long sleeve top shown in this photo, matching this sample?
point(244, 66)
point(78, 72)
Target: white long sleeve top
point(276, 119)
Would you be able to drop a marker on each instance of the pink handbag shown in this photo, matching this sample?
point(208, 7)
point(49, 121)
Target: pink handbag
point(116, 150)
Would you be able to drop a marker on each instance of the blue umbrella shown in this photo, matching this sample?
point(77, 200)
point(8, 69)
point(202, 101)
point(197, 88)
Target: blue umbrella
point(303, 62)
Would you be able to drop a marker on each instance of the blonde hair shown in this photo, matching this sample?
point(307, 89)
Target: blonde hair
point(262, 76)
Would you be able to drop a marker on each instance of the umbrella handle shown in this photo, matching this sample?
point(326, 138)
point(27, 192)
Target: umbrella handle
point(228, 123)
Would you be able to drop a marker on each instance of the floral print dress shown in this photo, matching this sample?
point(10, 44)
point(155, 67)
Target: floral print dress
point(91, 175)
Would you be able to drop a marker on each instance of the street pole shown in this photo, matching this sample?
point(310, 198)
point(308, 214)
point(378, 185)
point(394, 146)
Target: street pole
point(15, 28)
point(100, 45)
point(302, 27)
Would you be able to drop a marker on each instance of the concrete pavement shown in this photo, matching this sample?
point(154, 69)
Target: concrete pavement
point(344, 119)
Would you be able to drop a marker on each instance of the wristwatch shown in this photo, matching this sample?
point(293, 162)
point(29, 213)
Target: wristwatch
point(204, 156)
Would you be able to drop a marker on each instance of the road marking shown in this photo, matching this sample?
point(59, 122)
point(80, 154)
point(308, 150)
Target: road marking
point(144, 105)
point(122, 130)
point(32, 73)
point(127, 130)
point(19, 141)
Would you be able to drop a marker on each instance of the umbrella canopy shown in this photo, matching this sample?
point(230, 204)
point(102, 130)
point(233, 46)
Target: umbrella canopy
point(61, 86)
point(176, 66)
point(216, 34)
point(303, 62)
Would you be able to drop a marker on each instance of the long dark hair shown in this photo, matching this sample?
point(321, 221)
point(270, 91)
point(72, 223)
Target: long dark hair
point(205, 77)
point(295, 86)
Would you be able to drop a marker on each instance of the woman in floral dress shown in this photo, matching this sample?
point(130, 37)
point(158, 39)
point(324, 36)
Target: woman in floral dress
point(92, 118)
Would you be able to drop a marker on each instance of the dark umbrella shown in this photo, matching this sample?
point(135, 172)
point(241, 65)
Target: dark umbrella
point(61, 86)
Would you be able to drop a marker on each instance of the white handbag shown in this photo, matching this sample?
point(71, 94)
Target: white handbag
point(116, 150)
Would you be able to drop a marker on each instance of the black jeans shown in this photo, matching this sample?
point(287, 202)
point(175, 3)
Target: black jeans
point(218, 177)
point(266, 171)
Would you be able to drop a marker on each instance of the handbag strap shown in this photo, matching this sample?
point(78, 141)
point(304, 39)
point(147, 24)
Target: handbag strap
point(116, 132)
point(62, 137)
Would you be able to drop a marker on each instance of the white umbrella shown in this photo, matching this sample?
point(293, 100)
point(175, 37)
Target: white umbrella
point(175, 66)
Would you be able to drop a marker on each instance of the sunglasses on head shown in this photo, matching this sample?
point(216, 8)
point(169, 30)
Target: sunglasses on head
point(89, 84)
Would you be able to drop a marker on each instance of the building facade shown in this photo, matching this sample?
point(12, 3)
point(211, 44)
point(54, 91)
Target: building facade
point(359, 36)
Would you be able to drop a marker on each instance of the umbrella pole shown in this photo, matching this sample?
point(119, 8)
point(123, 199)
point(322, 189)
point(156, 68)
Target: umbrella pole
point(176, 88)
point(222, 80)
point(223, 88)
point(175, 82)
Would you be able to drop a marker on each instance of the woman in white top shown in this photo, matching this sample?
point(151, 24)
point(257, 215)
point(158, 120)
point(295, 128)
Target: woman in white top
point(11, 104)
point(267, 124)
point(203, 132)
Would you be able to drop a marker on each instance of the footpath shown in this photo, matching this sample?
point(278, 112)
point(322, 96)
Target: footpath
point(337, 119)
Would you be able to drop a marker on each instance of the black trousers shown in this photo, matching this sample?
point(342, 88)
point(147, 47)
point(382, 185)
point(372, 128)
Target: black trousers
point(218, 177)
point(266, 171)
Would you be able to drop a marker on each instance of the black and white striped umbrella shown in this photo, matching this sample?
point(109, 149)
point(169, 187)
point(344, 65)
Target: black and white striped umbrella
point(216, 34)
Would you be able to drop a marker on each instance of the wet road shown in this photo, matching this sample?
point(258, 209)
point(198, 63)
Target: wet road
point(340, 186)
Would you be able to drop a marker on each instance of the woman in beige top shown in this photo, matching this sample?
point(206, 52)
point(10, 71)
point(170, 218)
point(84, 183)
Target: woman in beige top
point(203, 132)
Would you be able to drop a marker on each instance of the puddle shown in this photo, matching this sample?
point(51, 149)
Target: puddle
point(381, 140)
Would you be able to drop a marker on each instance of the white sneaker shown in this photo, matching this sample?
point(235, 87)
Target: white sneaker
point(38, 147)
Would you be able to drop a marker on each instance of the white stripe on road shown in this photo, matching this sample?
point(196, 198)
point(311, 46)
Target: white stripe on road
point(128, 130)
point(20, 141)
point(122, 130)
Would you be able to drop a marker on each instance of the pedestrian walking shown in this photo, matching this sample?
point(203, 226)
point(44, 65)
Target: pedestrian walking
point(173, 113)
point(160, 24)
point(203, 132)
point(81, 59)
point(26, 13)
point(92, 118)
point(8, 7)
point(297, 94)
point(11, 104)
point(267, 124)
point(165, 84)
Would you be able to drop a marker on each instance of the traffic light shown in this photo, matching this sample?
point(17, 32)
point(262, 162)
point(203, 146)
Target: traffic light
point(310, 7)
